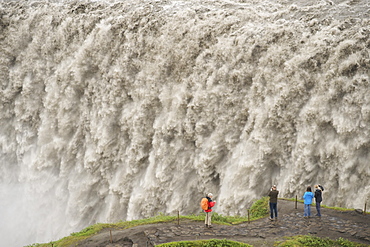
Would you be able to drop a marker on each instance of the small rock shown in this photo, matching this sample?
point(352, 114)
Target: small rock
point(359, 211)
point(262, 236)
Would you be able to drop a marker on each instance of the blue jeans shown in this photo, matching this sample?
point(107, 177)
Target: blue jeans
point(307, 210)
point(318, 208)
point(273, 209)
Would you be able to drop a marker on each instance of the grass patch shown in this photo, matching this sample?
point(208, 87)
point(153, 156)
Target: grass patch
point(310, 241)
point(258, 210)
point(296, 241)
point(96, 228)
point(335, 208)
point(206, 243)
point(323, 206)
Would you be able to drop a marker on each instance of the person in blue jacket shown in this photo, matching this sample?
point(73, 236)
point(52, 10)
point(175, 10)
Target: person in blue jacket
point(307, 197)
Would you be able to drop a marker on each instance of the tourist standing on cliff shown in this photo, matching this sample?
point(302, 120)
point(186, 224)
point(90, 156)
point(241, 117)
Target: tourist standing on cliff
point(318, 198)
point(308, 196)
point(208, 211)
point(273, 194)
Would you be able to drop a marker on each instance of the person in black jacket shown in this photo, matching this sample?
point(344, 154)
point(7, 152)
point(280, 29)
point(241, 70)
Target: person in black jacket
point(273, 194)
point(318, 198)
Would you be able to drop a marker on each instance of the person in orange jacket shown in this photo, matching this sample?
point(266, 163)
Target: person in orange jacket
point(208, 212)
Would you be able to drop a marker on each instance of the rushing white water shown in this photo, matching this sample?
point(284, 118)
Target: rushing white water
point(120, 110)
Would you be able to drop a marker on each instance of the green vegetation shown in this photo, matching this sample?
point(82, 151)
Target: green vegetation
point(257, 211)
point(323, 206)
point(96, 228)
point(260, 208)
point(206, 243)
point(310, 241)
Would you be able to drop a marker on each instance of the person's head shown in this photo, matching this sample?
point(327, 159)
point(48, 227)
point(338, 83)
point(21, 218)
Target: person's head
point(210, 195)
point(309, 189)
point(273, 187)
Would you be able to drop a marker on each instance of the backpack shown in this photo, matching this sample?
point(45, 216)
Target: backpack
point(204, 203)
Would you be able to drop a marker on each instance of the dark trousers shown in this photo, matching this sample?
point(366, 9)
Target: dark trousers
point(273, 209)
point(318, 208)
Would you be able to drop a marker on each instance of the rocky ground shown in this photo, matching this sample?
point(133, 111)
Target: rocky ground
point(333, 224)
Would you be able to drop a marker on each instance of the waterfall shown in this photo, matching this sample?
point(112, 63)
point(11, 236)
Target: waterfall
point(120, 110)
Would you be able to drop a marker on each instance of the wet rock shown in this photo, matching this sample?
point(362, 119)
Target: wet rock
point(359, 211)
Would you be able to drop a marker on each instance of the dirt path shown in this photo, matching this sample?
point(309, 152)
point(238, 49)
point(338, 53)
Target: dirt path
point(333, 224)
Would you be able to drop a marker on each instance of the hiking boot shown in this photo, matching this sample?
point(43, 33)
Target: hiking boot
point(210, 226)
point(206, 226)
